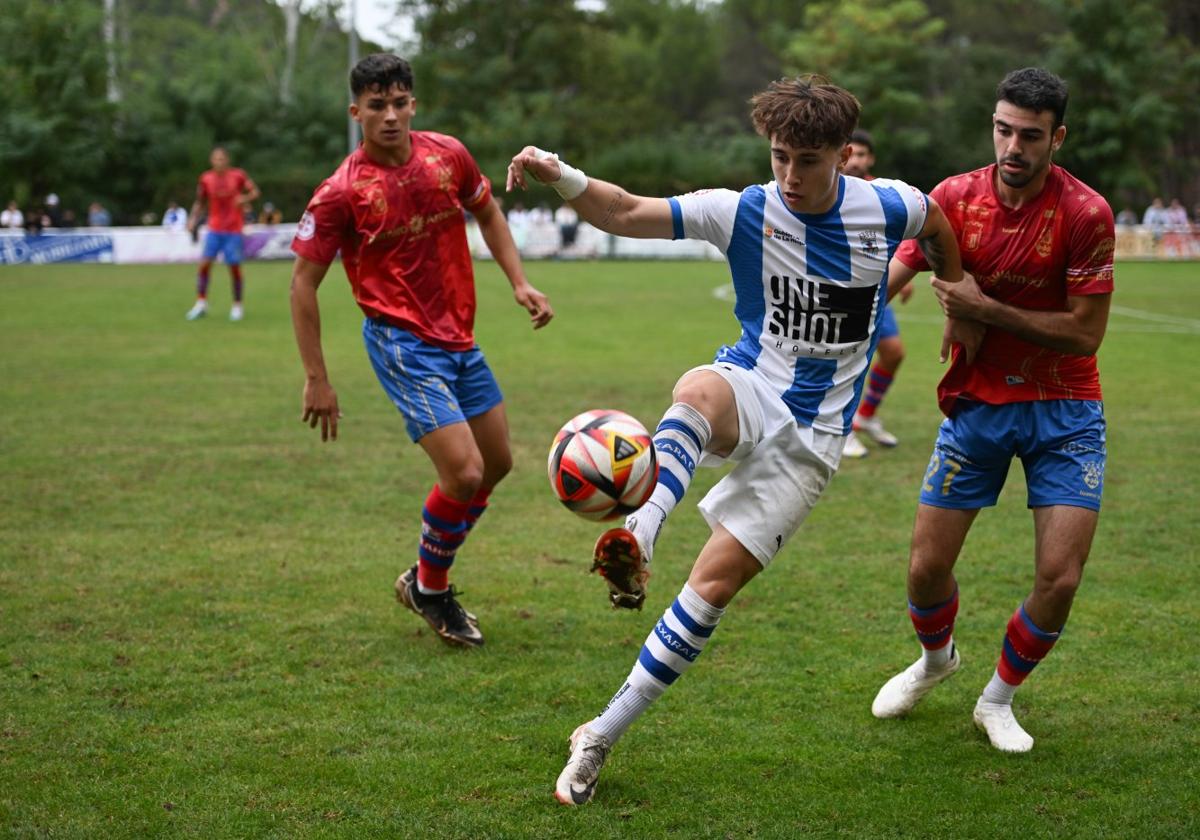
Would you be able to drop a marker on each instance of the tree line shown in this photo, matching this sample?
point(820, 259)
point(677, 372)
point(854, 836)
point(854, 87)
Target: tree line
point(651, 93)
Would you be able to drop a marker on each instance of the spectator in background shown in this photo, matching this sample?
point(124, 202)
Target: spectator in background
point(52, 213)
point(68, 219)
point(11, 216)
point(1155, 218)
point(1127, 217)
point(175, 217)
point(270, 214)
point(1176, 215)
point(98, 216)
point(568, 224)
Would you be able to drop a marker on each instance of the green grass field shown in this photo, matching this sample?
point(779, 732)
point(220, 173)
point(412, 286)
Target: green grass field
point(198, 635)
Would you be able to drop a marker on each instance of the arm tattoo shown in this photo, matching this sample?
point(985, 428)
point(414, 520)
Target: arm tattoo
point(934, 253)
point(613, 206)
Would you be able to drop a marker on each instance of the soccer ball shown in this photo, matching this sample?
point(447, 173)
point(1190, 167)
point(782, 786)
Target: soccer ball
point(602, 464)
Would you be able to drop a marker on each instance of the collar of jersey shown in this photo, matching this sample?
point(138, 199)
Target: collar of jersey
point(809, 218)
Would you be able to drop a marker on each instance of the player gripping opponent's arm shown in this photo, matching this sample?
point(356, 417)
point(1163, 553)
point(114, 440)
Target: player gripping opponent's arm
point(940, 246)
point(500, 243)
point(320, 400)
point(599, 203)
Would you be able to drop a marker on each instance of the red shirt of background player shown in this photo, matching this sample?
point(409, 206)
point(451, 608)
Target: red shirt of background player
point(403, 238)
point(222, 190)
point(1059, 244)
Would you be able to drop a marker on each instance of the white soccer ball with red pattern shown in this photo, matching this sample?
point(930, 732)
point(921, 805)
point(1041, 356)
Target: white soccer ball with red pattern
point(602, 464)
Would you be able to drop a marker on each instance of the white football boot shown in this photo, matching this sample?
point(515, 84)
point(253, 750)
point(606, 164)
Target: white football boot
point(854, 448)
point(199, 310)
point(902, 692)
point(577, 782)
point(873, 426)
point(1006, 735)
point(236, 313)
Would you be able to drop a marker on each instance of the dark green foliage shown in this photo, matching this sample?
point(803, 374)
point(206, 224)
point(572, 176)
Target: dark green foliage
point(650, 93)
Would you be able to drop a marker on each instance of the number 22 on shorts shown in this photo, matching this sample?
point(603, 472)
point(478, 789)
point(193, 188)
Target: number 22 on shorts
point(935, 464)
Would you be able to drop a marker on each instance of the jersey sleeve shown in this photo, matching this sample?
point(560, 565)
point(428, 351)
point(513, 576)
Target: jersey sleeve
point(321, 228)
point(910, 252)
point(1090, 241)
point(706, 214)
point(474, 190)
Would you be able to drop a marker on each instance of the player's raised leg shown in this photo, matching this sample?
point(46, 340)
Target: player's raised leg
point(1064, 538)
point(722, 569)
point(702, 418)
point(937, 539)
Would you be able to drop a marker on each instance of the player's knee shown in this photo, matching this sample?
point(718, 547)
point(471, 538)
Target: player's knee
point(1060, 586)
point(704, 391)
point(927, 571)
point(464, 481)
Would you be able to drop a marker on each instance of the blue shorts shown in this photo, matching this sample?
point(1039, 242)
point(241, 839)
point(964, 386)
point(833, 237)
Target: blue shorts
point(1060, 444)
point(432, 387)
point(888, 328)
point(228, 244)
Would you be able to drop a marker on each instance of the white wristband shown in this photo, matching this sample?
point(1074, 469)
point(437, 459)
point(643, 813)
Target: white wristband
point(571, 183)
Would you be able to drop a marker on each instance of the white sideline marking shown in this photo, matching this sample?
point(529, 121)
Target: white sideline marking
point(1161, 323)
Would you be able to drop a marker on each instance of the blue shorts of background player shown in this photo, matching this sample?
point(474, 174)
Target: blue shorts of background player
point(229, 245)
point(1061, 444)
point(888, 328)
point(430, 386)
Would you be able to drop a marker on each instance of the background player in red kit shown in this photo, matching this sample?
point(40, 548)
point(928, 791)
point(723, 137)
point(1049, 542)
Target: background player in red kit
point(395, 210)
point(227, 191)
point(1038, 244)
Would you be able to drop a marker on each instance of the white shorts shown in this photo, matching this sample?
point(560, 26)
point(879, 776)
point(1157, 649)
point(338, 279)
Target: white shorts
point(782, 468)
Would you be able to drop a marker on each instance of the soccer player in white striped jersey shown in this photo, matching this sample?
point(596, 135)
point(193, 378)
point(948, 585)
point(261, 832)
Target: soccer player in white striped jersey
point(808, 253)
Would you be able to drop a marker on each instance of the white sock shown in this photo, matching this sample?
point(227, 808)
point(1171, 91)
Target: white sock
point(679, 441)
point(937, 660)
point(998, 691)
point(670, 649)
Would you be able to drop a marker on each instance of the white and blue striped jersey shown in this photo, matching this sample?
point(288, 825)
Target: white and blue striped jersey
point(810, 289)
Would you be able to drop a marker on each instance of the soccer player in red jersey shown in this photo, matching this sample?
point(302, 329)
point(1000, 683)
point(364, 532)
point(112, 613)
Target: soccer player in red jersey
point(395, 209)
point(1025, 323)
point(227, 191)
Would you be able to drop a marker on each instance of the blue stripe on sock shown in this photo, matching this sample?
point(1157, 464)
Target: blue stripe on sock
point(667, 479)
point(442, 524)
point(673, 643)
point(674, 449)
point(927, 611)
point(434, 559)
point(671, 424)
point(1018, 662)
point(657, 670)
point(690, 624)
point(1035, 630)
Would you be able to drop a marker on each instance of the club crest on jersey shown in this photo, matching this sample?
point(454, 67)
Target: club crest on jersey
point(869, 242)
point(1045, 243)
point(1093, 473)
point(307, 228)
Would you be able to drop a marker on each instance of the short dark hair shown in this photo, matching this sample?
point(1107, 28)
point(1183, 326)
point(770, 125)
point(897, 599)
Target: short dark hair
point(861, 137)
point(380, 71)
point(1036, 90)
point(805, 112)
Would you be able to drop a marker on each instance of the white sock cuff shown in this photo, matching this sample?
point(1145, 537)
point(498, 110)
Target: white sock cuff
point(698, 608)
point(691, 418)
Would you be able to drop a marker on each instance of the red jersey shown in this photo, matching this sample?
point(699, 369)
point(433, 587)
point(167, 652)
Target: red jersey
point(403, 236)
point(222, 190)
point(1059, 244)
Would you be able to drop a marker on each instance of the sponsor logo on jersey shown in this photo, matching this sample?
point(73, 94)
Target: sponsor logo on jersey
point(778, 235)
point(307, 228)
point(803, 309)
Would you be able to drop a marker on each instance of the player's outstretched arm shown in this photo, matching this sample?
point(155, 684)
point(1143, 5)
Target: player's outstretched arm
point(500, 242)
point(320, 400)
point(599, 203)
